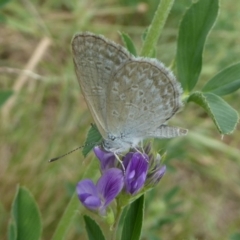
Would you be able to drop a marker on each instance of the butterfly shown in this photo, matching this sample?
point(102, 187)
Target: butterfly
point(130, 98)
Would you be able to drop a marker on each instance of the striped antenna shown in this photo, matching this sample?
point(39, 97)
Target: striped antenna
point(56, 158)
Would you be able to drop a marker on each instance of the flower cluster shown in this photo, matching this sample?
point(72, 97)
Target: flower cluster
point(136, 172)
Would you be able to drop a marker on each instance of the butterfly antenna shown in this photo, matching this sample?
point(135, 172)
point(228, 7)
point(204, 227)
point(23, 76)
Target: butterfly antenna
point(56, 158)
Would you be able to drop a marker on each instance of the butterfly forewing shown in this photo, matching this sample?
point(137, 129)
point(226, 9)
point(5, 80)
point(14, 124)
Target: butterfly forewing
point(96, 59)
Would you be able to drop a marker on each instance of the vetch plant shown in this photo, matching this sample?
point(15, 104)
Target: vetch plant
point(127, 177)
point(120, 181)
point(123, 182)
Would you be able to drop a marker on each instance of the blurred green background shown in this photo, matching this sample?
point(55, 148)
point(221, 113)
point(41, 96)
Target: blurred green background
point(198, 198)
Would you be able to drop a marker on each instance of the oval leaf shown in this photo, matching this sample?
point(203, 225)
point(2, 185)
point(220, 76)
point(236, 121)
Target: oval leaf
point(225, 82)
point(223, 115)
point(26, 216)
point(133, 221)
point(129, 44)
point(193, 31)
point(93, 230)
point(93, 138)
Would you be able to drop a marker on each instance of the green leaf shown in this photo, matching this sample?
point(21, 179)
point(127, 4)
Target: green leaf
point(93, 138)
point(133, 221)
point(93, 230)
point(223, 115)
point(26, 216)
point(4, 95)
point(128, 43)
point(12, 231)
point(225, 82)
point(193, 31)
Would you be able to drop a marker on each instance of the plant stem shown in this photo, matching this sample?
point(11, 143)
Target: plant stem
point(67, 218)
point(156, 27)
point(115, 225)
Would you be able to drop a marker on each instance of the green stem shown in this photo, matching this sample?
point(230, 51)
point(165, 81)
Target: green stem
point(67, 218)
point(115, 225)
point(156, 27)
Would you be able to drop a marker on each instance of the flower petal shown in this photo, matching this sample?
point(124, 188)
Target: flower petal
point(107, 159)
point(136, 172)
point(110, 185)
point(88, 195)
point(156, 175)
point(127, 158)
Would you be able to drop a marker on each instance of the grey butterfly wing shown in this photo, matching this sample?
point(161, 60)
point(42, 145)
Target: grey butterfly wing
point(96, 59)
point(142, 96)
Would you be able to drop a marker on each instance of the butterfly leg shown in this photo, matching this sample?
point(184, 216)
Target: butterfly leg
point(119, 160)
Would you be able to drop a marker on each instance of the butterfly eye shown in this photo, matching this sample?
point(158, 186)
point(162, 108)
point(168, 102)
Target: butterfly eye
point(112, 138)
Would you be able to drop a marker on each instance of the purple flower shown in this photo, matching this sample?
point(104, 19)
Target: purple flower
point(136, 171)
point(156, 172)
point(107, 159)
point(127, 158)
point(136, 165)
point(99, 196)
point(88, 194)
point(155, 176)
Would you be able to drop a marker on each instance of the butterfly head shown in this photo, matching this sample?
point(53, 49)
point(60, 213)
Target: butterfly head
point(118, 144)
